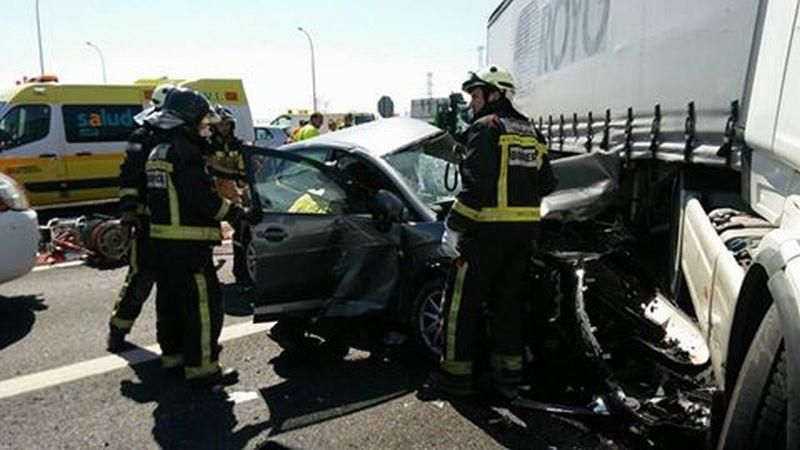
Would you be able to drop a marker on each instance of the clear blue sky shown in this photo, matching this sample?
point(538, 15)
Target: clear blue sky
point(365, 49)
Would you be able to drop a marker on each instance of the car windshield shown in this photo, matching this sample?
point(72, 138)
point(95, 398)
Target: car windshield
point(426, 171)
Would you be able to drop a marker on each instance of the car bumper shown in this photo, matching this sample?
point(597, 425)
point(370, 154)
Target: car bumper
point(19, 240)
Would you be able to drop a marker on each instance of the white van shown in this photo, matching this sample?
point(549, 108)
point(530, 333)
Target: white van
point(65, 142)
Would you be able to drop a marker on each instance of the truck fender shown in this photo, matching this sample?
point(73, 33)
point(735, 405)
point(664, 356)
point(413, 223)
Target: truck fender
point(779, 258)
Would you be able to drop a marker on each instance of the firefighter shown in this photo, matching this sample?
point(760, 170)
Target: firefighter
point(185, 215)
point(490, 232)
point(133, 183)
point(227, 166)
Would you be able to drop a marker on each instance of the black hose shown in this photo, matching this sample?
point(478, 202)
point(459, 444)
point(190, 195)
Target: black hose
point(447, 185)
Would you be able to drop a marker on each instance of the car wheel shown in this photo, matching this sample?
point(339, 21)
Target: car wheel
point(250, 261)
point(427, 318)
point(757, 409)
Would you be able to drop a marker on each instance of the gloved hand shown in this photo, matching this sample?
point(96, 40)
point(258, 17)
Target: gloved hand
point(129, 219)
point(450, 240)
point(128, 222)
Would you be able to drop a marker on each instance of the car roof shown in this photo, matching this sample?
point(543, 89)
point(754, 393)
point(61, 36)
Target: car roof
point(378, 138)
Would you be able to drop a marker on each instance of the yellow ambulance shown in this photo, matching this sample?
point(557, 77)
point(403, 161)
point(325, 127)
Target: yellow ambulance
point(65, 142)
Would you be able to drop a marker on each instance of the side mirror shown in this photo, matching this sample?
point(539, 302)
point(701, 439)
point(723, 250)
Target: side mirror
point(388, 209)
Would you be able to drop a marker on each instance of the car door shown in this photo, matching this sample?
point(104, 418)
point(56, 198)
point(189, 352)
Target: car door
point(314, 246)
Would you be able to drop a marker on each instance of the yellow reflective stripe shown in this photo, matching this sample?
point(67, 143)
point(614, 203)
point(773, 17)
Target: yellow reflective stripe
point(507, 214)
point(457, 367)
point(134, 261)
point(205, 320)
point(502, 178)
point(223, 209)
point(452, 317)
point(518, 139)
point(201, 371)
point(121, 324)
point(507, 362)
point(125, 192)
point(184, 233)
point(160, 166)
point(174, 204)
point(171, 361)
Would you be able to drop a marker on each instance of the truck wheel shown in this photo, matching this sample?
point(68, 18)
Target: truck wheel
point(756, 416)
point(427, 317)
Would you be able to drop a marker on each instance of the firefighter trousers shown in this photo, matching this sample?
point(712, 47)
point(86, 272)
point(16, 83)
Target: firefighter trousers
point(483, 301)
point(138, 283)
point(190, 313)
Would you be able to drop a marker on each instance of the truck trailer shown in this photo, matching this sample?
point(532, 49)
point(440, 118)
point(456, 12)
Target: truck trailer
point(699, 101)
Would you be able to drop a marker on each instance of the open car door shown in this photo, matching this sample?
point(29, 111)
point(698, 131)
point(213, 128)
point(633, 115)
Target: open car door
point(315, 247)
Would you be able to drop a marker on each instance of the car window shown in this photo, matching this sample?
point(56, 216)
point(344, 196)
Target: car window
point(24, 124)
point(285, 186)
point(99, 123)
point(426, 173)
point(263, 134)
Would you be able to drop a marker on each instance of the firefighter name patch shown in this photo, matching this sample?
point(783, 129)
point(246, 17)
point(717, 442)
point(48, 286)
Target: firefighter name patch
point(524, 157)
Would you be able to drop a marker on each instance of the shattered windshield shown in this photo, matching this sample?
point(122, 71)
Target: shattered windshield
point(425, 170)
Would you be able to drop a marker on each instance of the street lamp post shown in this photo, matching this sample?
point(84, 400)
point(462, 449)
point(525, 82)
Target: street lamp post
point(313, 69)
point(39, 34)
point(102, 60)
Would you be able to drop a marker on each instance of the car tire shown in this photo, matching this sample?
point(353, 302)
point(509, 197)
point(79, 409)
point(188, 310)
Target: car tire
point(248, 275)
point(427, 317)
point(757, 408)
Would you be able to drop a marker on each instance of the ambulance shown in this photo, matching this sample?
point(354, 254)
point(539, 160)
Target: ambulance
point(65, 142)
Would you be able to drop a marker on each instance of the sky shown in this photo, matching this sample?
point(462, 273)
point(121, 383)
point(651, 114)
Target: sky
point(364, 49)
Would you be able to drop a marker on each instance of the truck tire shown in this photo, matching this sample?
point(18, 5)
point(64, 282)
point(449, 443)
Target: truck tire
point(757, 408)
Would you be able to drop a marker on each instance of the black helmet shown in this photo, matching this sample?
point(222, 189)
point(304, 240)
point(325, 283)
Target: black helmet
point(189, 105)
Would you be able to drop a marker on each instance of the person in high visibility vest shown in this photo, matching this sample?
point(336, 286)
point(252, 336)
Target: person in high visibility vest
point(185, 212)
point(490, 232)
point(311, 129)
point(133, 195)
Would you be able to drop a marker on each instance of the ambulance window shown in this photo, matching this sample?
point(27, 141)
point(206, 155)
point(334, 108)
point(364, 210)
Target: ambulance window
point(24, 124)
point(99, 123)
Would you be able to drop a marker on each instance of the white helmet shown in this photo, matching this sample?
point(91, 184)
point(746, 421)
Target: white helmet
point(493, 76)
point(160, 94)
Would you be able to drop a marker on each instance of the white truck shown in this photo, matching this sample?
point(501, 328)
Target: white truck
point(701, 102)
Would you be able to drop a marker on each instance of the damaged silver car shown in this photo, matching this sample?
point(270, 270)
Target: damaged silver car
point(350, 225)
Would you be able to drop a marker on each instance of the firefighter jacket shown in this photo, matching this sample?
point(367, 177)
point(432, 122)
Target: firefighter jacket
point(504, 175)
point(132, 178)
point(226, 162)
point(183, 203)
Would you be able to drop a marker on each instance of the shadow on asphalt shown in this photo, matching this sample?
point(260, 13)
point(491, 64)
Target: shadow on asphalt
point(17, 316)
point(183, 418)
point(237, 301)
point(321, 389)
point(517, 428)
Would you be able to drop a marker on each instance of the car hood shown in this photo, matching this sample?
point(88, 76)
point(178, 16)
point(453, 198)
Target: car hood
point(379, 138)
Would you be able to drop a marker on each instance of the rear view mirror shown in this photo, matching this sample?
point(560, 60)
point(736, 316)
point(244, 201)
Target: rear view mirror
point(388, 209)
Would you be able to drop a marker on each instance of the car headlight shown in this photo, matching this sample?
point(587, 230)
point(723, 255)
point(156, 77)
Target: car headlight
point(12, 196)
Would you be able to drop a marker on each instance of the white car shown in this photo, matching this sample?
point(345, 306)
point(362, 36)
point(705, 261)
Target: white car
point(19, 231)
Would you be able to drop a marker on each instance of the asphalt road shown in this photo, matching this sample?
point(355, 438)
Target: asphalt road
point(55, 320)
